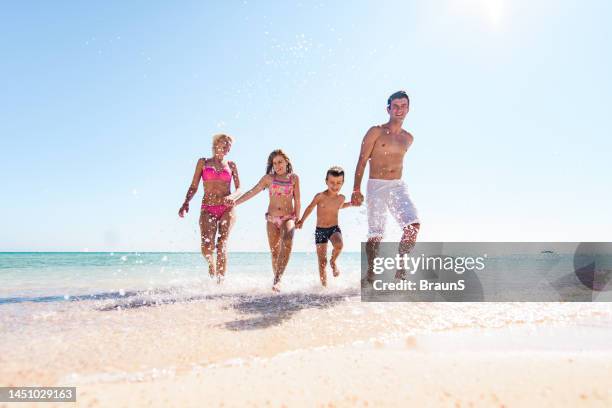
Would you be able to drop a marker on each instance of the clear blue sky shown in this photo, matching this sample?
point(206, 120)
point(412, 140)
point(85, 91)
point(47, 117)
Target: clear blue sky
point(106, 107)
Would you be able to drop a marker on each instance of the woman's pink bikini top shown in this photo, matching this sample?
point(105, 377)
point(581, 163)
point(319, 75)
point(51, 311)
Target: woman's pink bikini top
point(282, 187)
point(210, 174)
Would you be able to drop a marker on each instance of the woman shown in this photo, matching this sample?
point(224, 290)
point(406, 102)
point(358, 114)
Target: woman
point(216, 218)
point(284, 187)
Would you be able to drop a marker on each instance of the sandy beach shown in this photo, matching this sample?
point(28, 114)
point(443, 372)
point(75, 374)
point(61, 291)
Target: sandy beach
point(311, 349)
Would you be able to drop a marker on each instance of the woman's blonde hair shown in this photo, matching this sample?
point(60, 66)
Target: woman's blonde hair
point(278, 152)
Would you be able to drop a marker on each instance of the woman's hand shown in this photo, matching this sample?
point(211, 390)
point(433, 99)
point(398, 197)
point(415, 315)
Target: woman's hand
point(230, 202)
point(184, 209)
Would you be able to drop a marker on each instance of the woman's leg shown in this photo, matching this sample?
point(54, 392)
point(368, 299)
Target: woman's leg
point(286, 243)
point(273, 241)
point(225, 224)
point(208, 229)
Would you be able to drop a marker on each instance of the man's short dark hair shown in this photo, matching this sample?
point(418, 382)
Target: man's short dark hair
point(398, 95)
point(335, 171)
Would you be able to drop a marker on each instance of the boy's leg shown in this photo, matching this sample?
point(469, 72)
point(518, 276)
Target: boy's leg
point(322, 257)
point(336, 240)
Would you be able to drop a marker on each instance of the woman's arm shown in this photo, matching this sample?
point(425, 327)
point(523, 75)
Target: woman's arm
point(236, 179)
point(263, 183)
point(296, 194)
point(193, 188)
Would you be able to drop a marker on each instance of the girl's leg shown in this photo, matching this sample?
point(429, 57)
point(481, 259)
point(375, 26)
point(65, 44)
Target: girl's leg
point(336, 240)
point(273, 241)
point(286, 243)
point(322, 256)
point(208, 229)
point(224, 226)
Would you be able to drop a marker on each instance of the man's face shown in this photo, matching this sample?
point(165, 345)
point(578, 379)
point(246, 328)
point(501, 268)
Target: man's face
point(223, 146)
point(334, 183)
point(279, 164)
point(398, 108)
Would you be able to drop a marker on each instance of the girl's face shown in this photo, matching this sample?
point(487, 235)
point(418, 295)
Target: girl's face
point(222, 146)
point(279, 164)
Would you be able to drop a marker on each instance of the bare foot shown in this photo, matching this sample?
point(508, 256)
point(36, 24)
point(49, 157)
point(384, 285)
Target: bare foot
point(220, 279)
point(276, 287)
point(211, 271)
point(334, 267)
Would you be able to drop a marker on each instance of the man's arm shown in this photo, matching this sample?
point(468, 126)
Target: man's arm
point(367, 145)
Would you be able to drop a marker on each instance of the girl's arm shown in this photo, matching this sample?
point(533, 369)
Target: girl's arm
point(263, 183)
point(296, 194)
point(308, 210)
point(193, 188)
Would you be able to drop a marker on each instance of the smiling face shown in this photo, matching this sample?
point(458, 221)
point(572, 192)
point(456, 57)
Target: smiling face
point(334, 183)
point(279, 164)
point(398, 109)
point(222, 146)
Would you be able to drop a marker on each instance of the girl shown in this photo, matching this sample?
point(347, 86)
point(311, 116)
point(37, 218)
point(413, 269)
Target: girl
point(216, 217)
point(284, 188)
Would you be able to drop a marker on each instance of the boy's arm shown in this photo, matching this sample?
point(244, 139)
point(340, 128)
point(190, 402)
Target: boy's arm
point(309, 209)
point(346, 205)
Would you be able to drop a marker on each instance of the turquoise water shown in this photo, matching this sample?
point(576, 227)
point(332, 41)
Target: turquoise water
point(53, 276)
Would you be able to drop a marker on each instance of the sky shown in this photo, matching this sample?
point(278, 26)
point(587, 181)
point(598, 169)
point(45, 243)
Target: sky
point(106, 107)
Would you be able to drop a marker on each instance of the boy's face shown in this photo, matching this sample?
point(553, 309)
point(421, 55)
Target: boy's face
point(334, 183)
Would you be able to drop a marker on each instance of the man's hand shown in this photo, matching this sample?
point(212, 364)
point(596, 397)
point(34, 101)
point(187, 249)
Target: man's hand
point(184, 209)
point(230, 202)
point(356, 198)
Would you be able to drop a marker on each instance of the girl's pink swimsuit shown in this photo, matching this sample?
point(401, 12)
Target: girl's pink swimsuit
point(281, 188)
point(210, 174)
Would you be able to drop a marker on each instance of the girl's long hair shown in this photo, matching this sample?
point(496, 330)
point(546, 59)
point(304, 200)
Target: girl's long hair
point(278, 152)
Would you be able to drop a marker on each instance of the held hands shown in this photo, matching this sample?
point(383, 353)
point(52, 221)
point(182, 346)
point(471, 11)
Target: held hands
point(356, 198)
point(299, 224)
point(230, 202)
point(184, 209)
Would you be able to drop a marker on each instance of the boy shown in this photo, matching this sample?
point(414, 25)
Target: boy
point(328, 203)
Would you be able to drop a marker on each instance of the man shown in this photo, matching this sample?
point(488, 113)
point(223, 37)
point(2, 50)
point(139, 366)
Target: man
point(385, 146)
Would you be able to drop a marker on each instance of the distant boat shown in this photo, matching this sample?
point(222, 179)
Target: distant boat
point(547, 252)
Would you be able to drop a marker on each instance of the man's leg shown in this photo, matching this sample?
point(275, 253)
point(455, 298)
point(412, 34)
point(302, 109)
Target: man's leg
point(376, 201)
point(405, 213)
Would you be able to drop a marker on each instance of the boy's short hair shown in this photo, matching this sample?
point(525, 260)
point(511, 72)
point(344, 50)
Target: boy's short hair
point(398, 95)
point(335, 171)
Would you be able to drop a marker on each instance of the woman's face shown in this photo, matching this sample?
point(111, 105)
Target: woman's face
point(279, 164)
point(222, 146)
